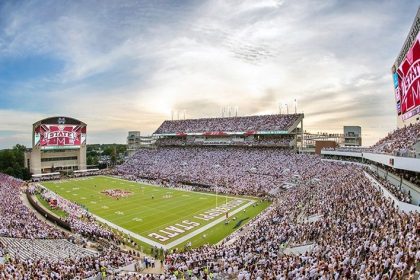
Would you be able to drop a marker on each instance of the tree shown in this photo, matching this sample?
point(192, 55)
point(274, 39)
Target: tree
point(12, 162)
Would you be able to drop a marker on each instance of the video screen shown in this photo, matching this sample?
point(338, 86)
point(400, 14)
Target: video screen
point(56, 135)
point(407, 82)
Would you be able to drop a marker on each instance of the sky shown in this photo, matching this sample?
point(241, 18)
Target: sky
point(130, 65)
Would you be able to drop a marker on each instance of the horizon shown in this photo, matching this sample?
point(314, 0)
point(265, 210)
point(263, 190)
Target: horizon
point(129, 66)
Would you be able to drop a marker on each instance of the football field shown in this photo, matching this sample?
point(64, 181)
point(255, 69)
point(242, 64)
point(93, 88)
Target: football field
point(156, 215)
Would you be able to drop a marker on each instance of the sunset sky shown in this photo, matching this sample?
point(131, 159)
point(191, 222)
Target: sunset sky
point(125, 65)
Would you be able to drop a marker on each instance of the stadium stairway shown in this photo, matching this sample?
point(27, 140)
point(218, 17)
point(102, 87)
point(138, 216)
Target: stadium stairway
point(46, 249)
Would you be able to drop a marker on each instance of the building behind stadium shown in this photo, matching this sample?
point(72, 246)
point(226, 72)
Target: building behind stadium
point(58, 145)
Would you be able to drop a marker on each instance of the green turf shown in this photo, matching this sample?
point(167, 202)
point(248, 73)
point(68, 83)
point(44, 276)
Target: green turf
point(221, 230)
point(60, 213)
point(142, 214)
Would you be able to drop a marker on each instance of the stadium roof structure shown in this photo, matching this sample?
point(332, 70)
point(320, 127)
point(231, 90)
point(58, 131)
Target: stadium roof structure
point(59, 120)
point(247, 125)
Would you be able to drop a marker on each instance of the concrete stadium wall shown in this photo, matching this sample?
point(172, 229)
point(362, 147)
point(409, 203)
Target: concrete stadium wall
point(399, 182)
point(403, 163)
point(46, 214)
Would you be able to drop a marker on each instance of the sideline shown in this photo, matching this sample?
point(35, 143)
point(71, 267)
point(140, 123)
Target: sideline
point(179, 240)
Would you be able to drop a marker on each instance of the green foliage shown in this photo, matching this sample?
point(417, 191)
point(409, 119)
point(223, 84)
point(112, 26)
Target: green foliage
point(12, 162)
point(114, 154)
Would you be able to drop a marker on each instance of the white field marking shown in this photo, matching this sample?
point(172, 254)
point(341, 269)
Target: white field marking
point(83, 197)
point(93, 202)
point(105, 207)
point(119, 213)
point(203, 198)
point(75, 189)
point(174, 189)
point(186, 195)
point(67, 191)
point(130, 233)
point(179, 240)
point(75, 194)
point(206, 227)
point(138, 219)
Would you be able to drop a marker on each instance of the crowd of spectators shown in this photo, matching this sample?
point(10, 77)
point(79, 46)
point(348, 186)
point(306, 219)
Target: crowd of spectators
point(254, 171)
point(399, 193)
point(412, 177)
point(283, 141)
point(400, 142)
point(229, 124)
point(18, 221)
point(78, 217)
point(359, 235)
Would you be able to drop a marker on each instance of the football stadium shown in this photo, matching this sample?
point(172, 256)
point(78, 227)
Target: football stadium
point(253, 196)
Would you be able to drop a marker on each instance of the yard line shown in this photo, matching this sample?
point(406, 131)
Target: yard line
point(130, 233)
point(206, 227)
point(192, 195)
point(179, 240)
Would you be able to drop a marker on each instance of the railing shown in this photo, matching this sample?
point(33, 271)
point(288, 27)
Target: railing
point(46, 214)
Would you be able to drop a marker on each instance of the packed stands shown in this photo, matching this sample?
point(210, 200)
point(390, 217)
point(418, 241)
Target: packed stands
point(344, 227)
point(399, 193)
point(230, 124)
point(400, 142)
point(33, 249)
point(280, 141)
point(79, 218)
point(352, 230)
point(254, 171)
point(355, 236)
point(16, 220)
point(359, 235)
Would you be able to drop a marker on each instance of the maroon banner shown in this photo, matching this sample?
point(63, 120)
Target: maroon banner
point(60, 135)
point(214, 133)
point(409, 82)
